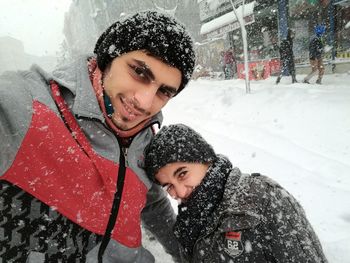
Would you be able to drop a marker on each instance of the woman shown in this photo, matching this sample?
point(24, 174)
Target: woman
point(224, 215)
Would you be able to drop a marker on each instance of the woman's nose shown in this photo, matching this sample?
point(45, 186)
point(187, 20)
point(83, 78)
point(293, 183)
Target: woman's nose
point(178, 191)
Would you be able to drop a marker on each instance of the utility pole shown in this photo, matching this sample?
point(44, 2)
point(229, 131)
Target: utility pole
point(240, 20)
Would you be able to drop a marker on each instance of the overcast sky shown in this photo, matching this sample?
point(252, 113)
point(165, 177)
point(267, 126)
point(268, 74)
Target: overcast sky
point(38, 23)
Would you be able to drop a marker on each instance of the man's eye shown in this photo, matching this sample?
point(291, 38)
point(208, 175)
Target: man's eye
point(165, 92)
point(139, 71)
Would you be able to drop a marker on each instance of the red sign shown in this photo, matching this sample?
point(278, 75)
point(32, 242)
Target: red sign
point(260, 69)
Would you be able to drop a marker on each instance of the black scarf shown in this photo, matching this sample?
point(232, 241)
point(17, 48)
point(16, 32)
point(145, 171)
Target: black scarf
point(193, 214)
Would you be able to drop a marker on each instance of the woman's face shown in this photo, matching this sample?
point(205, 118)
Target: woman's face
point(179, 179)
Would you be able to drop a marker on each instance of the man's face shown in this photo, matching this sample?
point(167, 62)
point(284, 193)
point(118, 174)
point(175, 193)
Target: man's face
point(139, 86)
point(179, 179)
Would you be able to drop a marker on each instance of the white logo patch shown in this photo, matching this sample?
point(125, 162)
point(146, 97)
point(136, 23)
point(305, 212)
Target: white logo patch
point(233, 244)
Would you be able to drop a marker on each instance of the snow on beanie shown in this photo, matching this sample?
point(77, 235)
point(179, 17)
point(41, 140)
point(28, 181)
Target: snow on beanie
point(176, 143)
point(159, 34)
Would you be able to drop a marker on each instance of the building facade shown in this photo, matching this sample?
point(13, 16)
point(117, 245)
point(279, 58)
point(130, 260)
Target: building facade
point(87, 19)
point(267, 23)
point(216, 30)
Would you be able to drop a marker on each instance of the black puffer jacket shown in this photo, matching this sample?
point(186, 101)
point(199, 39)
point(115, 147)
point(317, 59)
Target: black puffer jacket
point(315, 48)
point(257, 221)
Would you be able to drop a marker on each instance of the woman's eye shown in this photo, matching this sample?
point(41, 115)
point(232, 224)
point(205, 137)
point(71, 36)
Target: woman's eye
point(182, 175)
point(167, 187)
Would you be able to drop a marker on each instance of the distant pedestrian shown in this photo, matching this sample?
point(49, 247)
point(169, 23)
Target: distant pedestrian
point(222, 63)
point(315, 54)
point(229, 64)
point(287, 57)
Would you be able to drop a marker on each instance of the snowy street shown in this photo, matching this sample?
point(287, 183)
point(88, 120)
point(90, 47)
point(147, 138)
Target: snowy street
point(298, 134)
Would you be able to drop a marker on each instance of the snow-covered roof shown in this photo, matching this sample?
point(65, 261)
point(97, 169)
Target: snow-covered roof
point(343, 3)
point(227, 18)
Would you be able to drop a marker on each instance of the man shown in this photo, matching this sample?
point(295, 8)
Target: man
point(229, 62)
point(315, 55)
point(222, 63)
point(287, 57)
point(71, 184)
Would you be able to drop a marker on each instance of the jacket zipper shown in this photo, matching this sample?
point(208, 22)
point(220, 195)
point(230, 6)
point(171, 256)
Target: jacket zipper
point(68, 119)
point(125, 152)
point(116, 204)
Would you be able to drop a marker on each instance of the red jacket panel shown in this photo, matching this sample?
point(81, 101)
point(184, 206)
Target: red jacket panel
point(84, 193)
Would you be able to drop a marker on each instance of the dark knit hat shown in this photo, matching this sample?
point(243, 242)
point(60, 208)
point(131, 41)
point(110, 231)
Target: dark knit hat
point(157, 33)
point(176, 143)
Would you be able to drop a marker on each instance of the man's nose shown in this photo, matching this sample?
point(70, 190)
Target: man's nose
point(145, 96)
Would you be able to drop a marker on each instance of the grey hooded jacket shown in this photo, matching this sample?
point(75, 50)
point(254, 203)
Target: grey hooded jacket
point(32, 231)
point(257, 221)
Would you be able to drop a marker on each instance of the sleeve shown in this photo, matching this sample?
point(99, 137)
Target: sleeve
point(117, 253)
point(158, 217)
point(15, 117)
point(288, 234)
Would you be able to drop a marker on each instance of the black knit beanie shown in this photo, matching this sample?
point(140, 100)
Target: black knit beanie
point(157, 33)
point(176, 143)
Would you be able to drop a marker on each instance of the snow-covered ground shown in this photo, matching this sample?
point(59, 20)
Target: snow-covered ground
point(298, 134)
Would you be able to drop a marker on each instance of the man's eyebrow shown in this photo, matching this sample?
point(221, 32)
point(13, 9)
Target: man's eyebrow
point(178, 170)
point(145, 67)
